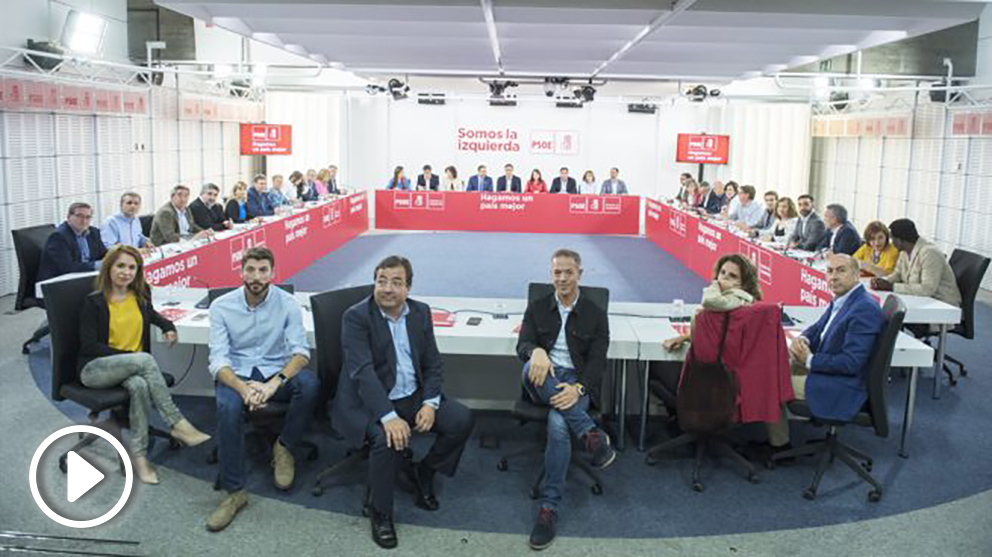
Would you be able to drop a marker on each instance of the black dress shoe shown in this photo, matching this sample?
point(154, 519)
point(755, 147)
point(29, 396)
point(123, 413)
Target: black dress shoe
point(423, 481)
point(383, 531)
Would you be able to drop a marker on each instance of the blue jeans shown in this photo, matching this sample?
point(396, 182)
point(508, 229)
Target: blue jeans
point(561, 423)
point(301, 391)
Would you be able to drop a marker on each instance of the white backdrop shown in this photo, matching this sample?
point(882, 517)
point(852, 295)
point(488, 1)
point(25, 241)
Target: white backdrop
point(769, 142)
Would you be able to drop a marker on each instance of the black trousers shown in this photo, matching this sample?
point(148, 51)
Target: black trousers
point(453, 424)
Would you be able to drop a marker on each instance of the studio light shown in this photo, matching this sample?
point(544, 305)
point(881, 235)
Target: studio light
point(84, 32)
point(586, 93)
point(398, 89)
point(497, 89)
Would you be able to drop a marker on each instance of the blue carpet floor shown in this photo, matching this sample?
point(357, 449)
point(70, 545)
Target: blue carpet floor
point(951, 445)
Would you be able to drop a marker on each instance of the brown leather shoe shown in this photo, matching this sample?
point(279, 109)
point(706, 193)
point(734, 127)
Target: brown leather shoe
point(227, 510)
point(284, 465)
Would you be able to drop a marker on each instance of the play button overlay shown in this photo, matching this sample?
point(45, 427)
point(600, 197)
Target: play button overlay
point(88, 490)
point(83, 476)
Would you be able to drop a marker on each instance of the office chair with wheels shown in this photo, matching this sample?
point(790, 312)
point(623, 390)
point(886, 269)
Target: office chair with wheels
point(146, 224)
point(526, 411)
point(714, 438)
point(29, 244)
point(969, 270)
point(328, 313)
point(873, 414)
point(63, 304)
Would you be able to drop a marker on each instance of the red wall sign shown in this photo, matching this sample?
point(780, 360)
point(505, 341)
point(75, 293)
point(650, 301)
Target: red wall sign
point(699, 148)
point(266, 139)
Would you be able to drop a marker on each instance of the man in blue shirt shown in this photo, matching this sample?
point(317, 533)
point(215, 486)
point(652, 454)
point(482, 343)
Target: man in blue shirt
point(259, 202)
point(74, 247)
point(391, 379)
point(480, 182)
point(258, 353)
point(125, 227)
point(748, 214)
point(830, 360)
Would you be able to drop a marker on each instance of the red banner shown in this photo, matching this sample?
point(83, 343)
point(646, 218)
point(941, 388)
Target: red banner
point(507, 212)
point(702, 148)
point(266, 139)
point(297, 241)
point(698, 245)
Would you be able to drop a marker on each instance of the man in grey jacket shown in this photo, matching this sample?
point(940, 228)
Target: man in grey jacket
point(174, 221)
point(810, 228)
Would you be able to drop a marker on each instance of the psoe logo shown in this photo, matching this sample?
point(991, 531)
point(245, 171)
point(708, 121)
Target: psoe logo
point(676, 223)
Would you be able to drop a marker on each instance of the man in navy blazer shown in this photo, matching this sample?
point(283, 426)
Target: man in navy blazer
point(74, 247)
point(480, 182)
point(391, 379)
point(711, 202)
point(835, 351)
point(428, 180)
point(556, 184)
point(508, 181)
point(841, 236)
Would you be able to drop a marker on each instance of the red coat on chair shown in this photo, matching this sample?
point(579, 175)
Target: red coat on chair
point(755, 351)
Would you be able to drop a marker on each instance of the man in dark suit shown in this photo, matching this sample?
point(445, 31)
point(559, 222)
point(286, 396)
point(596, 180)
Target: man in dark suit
point(563, 340)
point(508, 181)
point(810, 229)
point(710, 201)
point(207, 213)
point(831, 358)
point(841, 236)
point(391, 378)
point(74, 247)
point(570, 186)
point(428, 180)
point(480, 182)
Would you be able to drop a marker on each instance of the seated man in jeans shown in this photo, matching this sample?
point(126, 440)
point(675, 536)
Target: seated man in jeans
point(258, 351)
point(563, 339)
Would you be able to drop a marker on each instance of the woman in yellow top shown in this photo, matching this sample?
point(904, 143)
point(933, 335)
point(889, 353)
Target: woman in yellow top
point(115, 342)
point(877, 256)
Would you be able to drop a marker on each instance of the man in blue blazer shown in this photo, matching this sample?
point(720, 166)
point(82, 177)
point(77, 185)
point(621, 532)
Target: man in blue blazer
point(259, 203)
point(480, 182)
point(391, 379)
point(74, 247)
point(835, 352)
point(564, 182)
point(841, 236)
point(508, 182)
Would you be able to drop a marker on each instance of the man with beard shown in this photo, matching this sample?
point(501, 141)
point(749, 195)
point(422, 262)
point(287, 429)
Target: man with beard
point(810, 228)
point(258, 351)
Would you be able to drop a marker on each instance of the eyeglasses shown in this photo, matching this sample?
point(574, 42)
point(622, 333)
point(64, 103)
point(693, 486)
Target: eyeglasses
point(82, 216)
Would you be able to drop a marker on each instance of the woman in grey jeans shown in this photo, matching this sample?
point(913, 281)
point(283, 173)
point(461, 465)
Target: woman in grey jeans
point(114, 351)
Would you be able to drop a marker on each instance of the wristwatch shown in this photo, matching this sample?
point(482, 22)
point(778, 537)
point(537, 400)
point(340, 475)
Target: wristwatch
point(582, 390)
point(282, 378)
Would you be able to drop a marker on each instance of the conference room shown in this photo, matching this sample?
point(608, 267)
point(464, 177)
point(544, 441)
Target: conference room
point(621, 278)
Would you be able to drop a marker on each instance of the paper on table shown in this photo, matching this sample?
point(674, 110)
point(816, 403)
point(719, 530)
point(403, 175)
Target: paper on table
point(174, 314)
point(443, 318)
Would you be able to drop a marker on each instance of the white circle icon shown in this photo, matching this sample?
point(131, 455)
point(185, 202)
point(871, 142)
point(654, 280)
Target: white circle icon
point(33, 476)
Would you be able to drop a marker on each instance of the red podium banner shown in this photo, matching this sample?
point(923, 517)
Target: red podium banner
point(698, 245)
point(297, 241)
point(507, 212)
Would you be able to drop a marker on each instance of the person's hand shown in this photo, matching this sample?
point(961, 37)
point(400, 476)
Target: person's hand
point(228, 224)
point(881, 284)
point(799, 349)
point(425, 419)
point(397, 434)
point(566, 397)
point(540, 367)
point(249, 393)
point(171, 337)
point(673, 344)
point(149, 245)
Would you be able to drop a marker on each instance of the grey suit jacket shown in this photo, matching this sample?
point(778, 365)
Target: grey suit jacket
point(807, 236)
point(165, 225)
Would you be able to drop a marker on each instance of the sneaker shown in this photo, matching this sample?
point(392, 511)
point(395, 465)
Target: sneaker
point(227, 510)
point(544, 530)
point(598, 445)
point(284, 465)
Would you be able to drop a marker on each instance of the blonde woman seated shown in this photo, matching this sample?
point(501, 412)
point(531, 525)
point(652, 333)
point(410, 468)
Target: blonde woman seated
point(877, 255)
point(735, 284)
point(786, 219)
point(115, 341)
